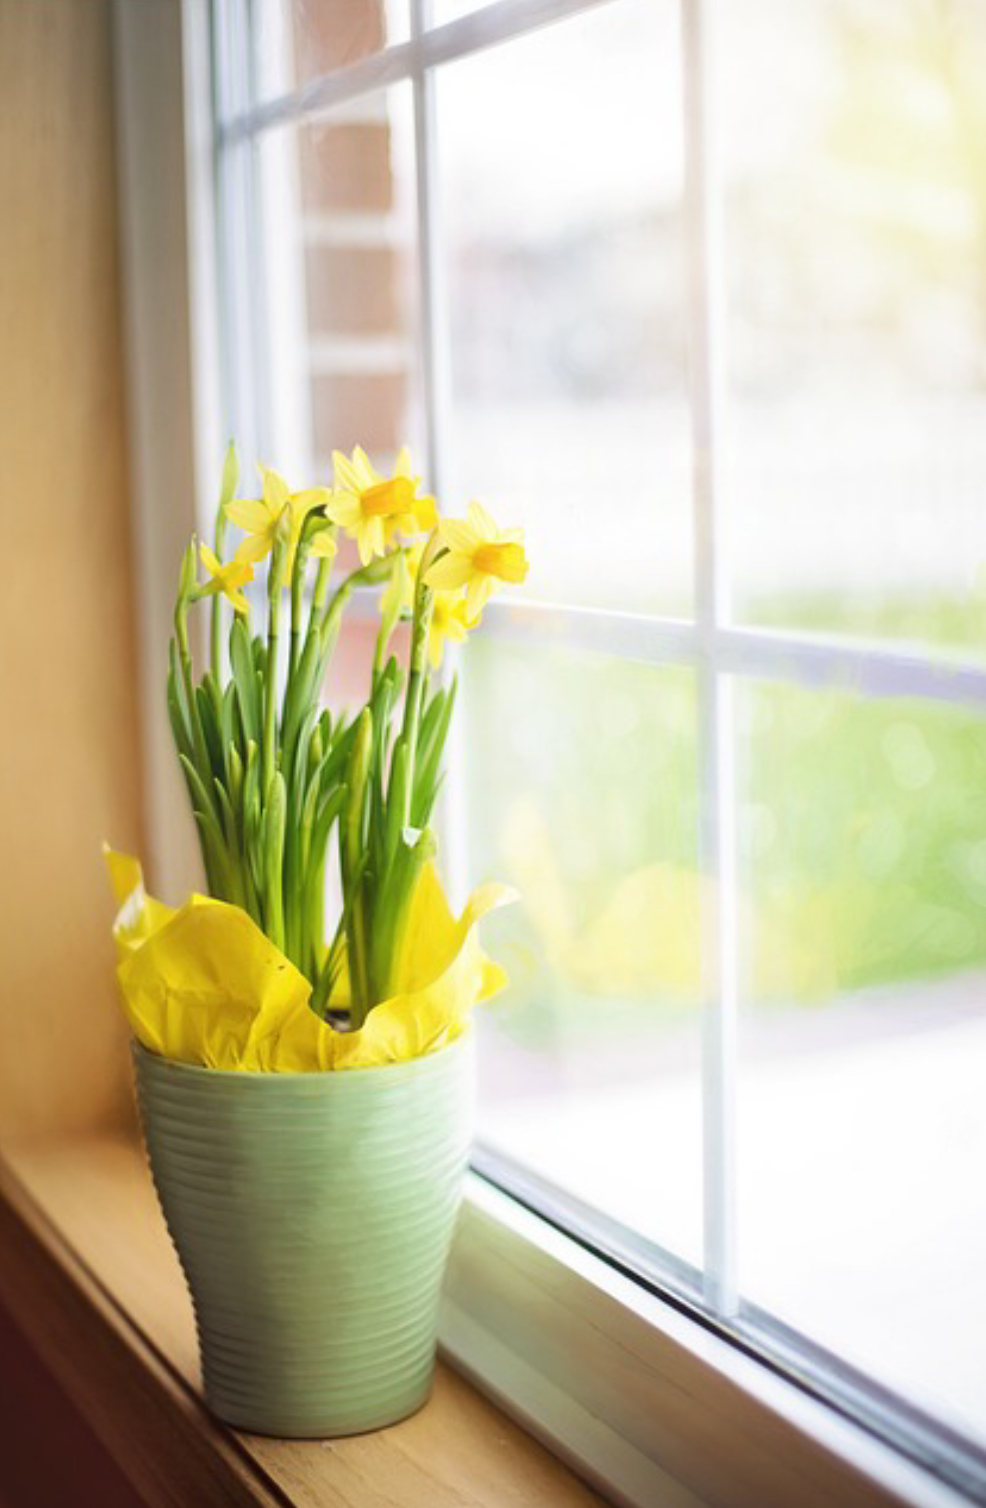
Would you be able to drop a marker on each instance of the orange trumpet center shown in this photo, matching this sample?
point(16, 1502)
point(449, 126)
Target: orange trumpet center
point(386, 498)
point(505, 561)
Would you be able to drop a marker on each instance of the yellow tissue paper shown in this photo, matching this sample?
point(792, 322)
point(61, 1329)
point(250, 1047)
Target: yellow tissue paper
point(202, 984)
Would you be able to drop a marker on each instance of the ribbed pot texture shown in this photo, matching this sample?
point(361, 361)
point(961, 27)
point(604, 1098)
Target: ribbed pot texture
point(313, 1214)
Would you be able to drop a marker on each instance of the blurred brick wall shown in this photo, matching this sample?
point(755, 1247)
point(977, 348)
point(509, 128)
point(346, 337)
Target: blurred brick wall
point(358, 322)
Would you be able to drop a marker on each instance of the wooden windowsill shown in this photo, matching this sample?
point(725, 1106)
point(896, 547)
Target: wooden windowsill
point(86, 1260)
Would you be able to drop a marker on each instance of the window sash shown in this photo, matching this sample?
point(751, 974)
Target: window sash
point(719, 650)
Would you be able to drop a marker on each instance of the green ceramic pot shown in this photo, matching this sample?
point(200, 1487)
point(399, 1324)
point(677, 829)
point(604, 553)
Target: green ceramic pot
point(313, 1214)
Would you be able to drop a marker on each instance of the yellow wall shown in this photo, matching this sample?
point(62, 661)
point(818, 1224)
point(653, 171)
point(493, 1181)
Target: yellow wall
point(69, 757)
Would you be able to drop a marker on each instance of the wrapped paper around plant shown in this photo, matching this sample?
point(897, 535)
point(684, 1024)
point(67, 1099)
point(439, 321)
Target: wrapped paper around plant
point(202, 984)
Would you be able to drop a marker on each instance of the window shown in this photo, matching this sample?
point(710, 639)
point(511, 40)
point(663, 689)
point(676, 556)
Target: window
point(695, 294)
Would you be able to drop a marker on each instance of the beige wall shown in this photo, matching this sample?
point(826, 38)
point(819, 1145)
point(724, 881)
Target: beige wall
point(69, 766)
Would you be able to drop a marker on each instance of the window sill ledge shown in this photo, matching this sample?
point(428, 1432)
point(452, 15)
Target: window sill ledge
point(85, 1258)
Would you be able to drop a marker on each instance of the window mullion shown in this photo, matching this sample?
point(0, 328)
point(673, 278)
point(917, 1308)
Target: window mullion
point(237, 232)
point(715, 690)
point(432, 292)
point(436, 391)
point(488, 26)
point(784, 657)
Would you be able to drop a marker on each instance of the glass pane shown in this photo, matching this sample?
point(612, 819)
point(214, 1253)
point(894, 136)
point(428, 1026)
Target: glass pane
point(563, 229)
point(580, 790)
point(451, 10)
point(862, 1115)
point(298, 40)
point(340, 252)
point(855, 162)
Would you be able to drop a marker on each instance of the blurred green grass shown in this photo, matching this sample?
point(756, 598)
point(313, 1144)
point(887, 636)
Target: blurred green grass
point(861, 826)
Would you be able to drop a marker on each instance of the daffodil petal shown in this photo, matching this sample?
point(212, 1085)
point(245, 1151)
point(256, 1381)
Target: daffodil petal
point(425, 513)
point(343, 508)
point(364, 471)
point(449, 573)
point(365, 542)
point(458, 535)
point(482, 523)
point(251, 516)
point(276, 493)
point(346, 477)
point(310, 497)
point(436, 649)
point(254, 548)
point(477, 595)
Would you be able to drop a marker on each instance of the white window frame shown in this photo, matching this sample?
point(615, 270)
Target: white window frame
point(620, 1379)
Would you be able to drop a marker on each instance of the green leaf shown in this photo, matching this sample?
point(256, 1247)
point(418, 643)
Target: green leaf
point(205, 702)
point(214, 854)
point(390, 914)
point(176, 716)
point(253, 818)
point(427, 773)
point(228, 727)
point(242, 666)
point(300, 695)
point(202, 793)
point(177, 708)
point(230, 829)
point(235, 782)
point(396, 798)
point(275, 814)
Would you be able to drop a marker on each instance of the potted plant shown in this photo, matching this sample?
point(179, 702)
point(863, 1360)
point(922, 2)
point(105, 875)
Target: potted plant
point(306, 1095)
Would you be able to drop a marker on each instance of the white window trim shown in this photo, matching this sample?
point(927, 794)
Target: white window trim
point(167, 225)
point(647, 1403)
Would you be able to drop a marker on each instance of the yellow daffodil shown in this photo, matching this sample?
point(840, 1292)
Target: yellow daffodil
point(259, 518)
point(479, 556)
point(374, 509)
point(448, 621)
point(226, 578)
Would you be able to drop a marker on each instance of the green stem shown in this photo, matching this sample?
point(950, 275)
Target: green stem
point(353, 871)
point(312, 525)
point(389, 618)
point(417, 668)
point(216, 618)
point(321, 592)
point(202, 760)
point(273, 860)
point(368, 575)
point(275, 581)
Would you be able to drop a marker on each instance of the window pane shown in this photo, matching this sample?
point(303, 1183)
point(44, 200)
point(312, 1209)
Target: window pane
point(855, 178)
point(862, 1114)
point(580, 789)
point(341, 284)
point(298, 40)
point(562, 207)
